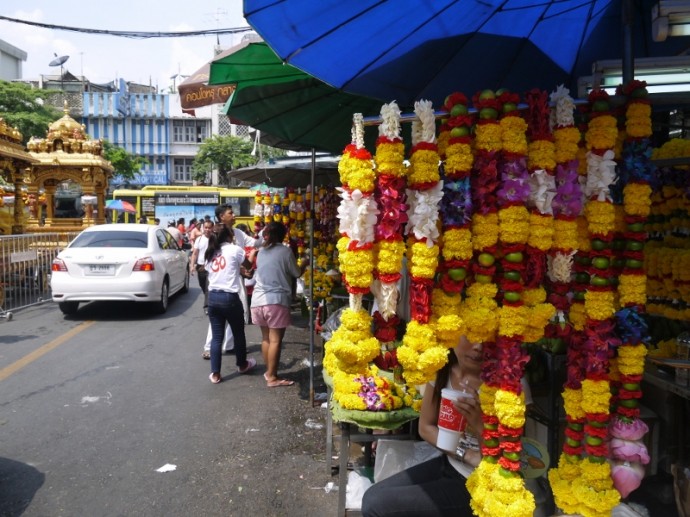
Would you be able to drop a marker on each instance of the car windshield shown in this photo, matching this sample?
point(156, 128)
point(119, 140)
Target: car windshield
point(118, 239)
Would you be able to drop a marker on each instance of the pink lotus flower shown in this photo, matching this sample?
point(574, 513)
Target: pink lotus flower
point(626, 450)
point(628, 431)
point(626, 477)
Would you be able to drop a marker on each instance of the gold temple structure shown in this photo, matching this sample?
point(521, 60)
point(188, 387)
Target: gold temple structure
point(66, 154)
point(13, 161)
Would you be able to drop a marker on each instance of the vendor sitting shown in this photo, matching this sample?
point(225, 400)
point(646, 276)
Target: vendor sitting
point(437, 487)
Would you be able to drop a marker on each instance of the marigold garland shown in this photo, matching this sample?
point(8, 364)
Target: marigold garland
point(421, 359)
point(500, 491)
point(636, 174)
point(389, 245)
point(594, 488)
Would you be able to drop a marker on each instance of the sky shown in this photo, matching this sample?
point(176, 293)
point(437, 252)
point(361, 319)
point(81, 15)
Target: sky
point(103, 58)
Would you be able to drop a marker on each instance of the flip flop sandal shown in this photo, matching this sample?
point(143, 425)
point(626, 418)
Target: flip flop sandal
point(215, 380)
point(251, 363)
point(280, 382)
point(206, 355)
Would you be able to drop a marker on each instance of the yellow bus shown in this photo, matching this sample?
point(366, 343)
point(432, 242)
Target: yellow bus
point(169, 202)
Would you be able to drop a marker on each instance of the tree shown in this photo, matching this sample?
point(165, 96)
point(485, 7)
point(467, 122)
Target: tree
point(224, 153)
point(227, 153)
point(24, 107)
point(126, 165)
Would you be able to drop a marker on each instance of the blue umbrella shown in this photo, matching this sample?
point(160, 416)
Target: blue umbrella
point(405, 50)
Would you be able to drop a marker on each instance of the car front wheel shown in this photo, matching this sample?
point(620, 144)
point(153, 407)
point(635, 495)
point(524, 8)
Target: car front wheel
point(161, 306)
point(69, 308)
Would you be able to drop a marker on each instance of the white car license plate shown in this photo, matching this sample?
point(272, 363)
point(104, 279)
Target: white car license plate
point(101, 269)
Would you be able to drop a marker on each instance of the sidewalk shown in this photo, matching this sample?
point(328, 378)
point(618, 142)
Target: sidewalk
point(300, 477)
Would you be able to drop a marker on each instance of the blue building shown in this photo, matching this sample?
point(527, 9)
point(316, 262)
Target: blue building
point(150, 125)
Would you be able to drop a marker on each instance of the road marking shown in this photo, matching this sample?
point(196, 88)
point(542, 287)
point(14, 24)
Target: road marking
point(40, 352)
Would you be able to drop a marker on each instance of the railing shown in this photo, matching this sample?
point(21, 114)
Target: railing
point(25, 268)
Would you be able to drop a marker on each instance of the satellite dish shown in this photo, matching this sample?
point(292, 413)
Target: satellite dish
point(58, 61)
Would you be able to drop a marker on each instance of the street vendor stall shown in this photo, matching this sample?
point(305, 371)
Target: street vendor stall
point(506, 246)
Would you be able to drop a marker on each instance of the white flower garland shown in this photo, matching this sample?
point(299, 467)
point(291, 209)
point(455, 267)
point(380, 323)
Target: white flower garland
point(601, 174)
point(423, 213)
point(357, 214)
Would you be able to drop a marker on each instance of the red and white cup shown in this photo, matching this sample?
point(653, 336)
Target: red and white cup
point(450, 422)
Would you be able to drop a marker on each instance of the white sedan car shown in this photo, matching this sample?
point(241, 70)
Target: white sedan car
point(128, 262)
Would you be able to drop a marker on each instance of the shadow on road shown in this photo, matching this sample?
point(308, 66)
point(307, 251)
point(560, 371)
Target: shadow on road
point(119, 311)
point(19, 483)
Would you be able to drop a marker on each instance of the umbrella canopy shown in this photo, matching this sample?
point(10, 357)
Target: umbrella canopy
point(407, 50)
point(290, 105)
point(120, 206)
point(290, 173)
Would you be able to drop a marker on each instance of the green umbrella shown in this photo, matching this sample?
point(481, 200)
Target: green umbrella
point(289, 104)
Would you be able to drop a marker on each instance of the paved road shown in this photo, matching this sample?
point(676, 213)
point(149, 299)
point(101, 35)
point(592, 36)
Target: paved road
point(92, 405)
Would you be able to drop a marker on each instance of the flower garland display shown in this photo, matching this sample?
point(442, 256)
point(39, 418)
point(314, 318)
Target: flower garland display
point(325, 210)
point(636, 171)
point(593, 489)
point(369, 392)
point(495, 487)
point(389, 244)
point(667, 254)
point(567, 206)
point(352, 346)
point(541, 163)
point(357, 213)
point(517, 322)
point(420, 355)
point(456, 216)
point(297, 219)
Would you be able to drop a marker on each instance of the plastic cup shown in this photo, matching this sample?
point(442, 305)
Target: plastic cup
point(450, 422)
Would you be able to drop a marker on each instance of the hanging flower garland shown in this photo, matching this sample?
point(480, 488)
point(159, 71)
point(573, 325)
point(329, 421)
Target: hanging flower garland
point(456, 216)
point(636, 172)
point(567, 206)
point(593, 489)
point(352, 346)
point(357, 214)
point(389, 244)
point(258, 212)
point(493, 485)
point(420, 355)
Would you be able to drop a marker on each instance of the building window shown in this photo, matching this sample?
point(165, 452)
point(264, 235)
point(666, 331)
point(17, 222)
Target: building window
point(182, 170)
point(190, 131)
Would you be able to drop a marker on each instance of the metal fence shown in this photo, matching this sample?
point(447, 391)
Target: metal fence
point(25, 262)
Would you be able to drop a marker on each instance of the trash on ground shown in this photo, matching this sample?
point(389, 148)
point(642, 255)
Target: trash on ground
point(313, 424)
point(168, 467)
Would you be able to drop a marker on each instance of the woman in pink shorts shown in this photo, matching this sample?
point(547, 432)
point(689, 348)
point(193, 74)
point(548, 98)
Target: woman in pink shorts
point(275, 269)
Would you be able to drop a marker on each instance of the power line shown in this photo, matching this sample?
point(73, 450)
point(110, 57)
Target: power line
point(129, 34)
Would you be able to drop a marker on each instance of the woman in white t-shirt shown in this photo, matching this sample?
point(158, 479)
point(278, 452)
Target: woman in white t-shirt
point(275, 269)
point(223, 259)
